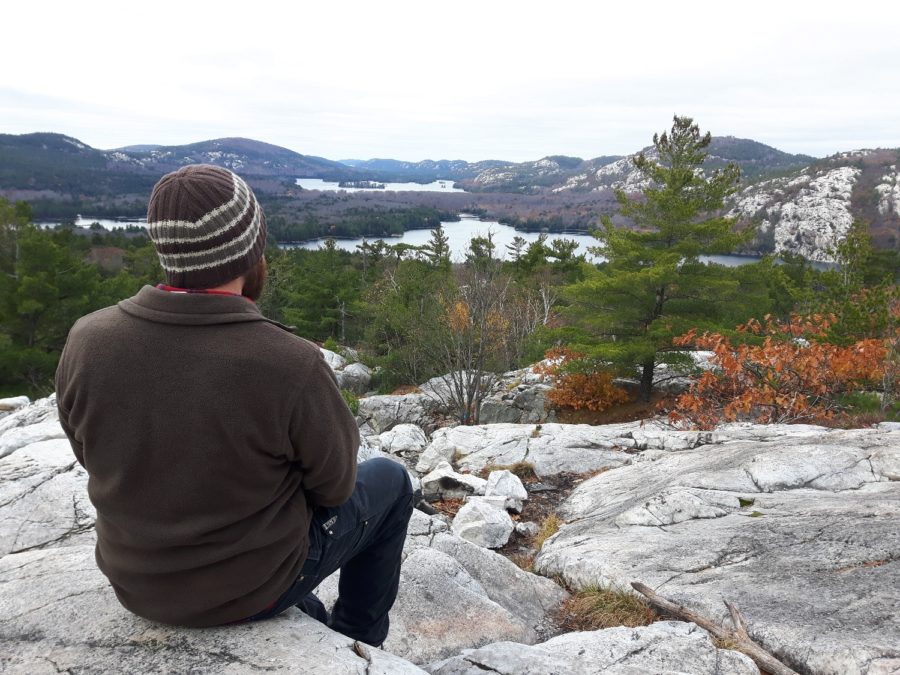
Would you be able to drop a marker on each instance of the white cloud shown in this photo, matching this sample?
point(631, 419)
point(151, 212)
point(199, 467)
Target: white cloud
point(502, 79)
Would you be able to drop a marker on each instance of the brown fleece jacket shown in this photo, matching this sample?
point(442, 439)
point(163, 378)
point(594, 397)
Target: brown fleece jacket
point(208, 433)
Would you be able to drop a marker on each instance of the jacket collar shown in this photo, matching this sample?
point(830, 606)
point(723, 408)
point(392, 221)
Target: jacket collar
point(192, 309)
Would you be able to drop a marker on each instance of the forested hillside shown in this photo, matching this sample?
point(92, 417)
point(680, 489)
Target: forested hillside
point(415, 314)
point(800, 205)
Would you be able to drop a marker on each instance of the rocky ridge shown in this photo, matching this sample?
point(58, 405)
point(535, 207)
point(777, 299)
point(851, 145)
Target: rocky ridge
point(769, 517)
point(797, 528)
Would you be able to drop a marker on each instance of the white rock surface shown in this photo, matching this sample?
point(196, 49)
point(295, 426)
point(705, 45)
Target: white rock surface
point(455, 595)
point(888, 192)
point(335, 361)
point(527, 596)
point(550, 448)
point(506, 484)
point(58, 614)
point(355, 377)
point(39, 411)
point(663, 647)
point(383, 413)
point(518, 397)
point(484, 522)
point(445, 483)
point(807, 215)
point(405, 440)
point(441, 608)
point(43, 499)
point(527, 528)
point(13, 403)
point(799, 531)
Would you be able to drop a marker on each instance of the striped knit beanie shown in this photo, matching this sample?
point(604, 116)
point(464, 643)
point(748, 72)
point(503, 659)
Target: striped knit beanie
point(206, 225)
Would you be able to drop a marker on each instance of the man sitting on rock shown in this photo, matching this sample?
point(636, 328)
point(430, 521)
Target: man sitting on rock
point(220, 453)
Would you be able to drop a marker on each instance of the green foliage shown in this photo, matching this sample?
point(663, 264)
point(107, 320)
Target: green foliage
point(45, 286)
point(351, 399)
point(288, 221)
point(866, 403)
point(860, 301)
point(318, 292)
point(653, 285)
point(402, 316)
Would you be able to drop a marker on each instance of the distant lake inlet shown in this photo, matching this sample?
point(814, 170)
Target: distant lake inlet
point(333, 186)
point(459, 233)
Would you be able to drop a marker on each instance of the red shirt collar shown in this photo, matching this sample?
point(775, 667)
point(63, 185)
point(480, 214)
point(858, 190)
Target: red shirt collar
point(202, 291)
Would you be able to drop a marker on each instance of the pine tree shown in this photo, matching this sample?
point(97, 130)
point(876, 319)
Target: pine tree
point(653, 285)
point(437, 250)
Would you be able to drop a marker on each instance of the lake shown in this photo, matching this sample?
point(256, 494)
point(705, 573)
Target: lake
point(333, 186)
point(460, 234)
point(108, 223)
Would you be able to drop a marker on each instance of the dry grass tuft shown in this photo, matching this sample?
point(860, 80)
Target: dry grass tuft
point(406, 389)
point(594, 608)
point(725, 643)
point(524, 470)
point(449, 507)
point(549, 527)
point(523, 561)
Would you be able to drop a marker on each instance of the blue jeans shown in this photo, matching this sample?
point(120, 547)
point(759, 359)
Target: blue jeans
point(363, 537)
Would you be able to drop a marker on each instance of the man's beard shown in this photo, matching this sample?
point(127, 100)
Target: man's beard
point(255, 280)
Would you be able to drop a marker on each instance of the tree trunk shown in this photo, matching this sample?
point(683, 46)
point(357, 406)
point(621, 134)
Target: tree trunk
point(647, 380)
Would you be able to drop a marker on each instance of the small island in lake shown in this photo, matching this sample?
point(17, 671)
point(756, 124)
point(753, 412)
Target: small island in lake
point(361, 184)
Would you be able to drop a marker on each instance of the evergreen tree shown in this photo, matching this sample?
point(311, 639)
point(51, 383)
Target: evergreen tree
point(317, 291)
point(516, 247)
point(437, 250)
point(481, 251)
point(862, 308)
point(50, 288)
point(653, 285)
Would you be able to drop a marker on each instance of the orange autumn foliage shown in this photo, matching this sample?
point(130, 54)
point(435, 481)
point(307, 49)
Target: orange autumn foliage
point(590, 390)
point(458, 317)
point(793, 376)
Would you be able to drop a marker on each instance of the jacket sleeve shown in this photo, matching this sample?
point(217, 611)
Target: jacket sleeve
point(62, 394)
point(324, 438)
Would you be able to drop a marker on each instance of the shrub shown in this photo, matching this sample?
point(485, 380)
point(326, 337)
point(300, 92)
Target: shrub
point(351, 399)
point(792, 376)
point(578, 383)
point(331, 345)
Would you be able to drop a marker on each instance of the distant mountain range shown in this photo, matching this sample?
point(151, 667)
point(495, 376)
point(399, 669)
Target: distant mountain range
point(560, 172)
point(804, 204)
point(45, 165)
point(53, 163)
point(425, 171)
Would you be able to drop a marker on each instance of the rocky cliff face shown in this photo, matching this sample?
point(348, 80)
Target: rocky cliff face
point(616, 172)
point(807, 215)
point(806, 212)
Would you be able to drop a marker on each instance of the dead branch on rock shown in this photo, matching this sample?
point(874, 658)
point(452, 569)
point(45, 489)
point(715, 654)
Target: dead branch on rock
point(739, 636)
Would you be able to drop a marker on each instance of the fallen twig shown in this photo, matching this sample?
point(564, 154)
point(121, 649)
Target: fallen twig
point(738, 635)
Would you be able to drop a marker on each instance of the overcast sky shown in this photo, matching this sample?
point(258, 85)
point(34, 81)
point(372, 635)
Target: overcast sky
point(499, 79)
